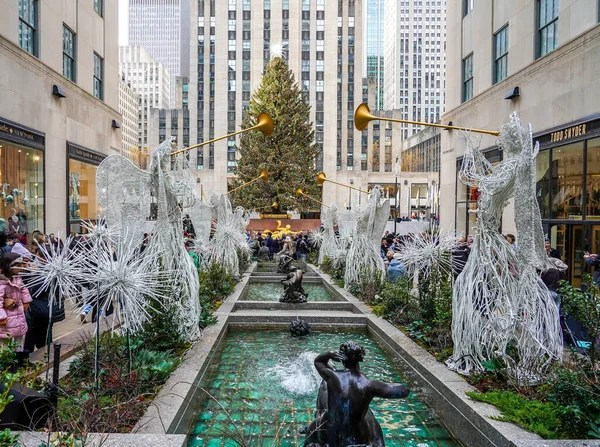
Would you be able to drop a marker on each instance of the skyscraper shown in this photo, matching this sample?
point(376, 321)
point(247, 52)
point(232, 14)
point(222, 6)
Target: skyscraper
point(150, 80)
point(162, 27)
point(375, 47)
point(233, 43)
point(415, 60)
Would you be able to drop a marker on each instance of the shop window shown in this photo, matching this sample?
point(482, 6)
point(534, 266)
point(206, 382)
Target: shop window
point(567, 183)
point(543, 183)
point(593, 180)
point(82, 194)
point(21, 190)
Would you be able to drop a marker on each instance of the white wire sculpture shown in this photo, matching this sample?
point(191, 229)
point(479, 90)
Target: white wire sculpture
point(229, 241)
point(58, 270)
point(499, 301)
point(424, 251)
point(347, 228)
point(126, 193)
point(122, 276)
point(364, 254)
point(329, 245)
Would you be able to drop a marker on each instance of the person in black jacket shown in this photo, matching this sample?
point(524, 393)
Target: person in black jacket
point(460, 255)
point(551, 252)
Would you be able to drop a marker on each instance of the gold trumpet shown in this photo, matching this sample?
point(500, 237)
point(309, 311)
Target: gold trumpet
point(362, 118)
point(274, 205)
point(264, 175)
point(322, 178)
point(264, 125)
point(299, 192)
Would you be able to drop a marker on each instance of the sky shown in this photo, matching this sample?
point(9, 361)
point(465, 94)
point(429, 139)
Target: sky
point(123, 22)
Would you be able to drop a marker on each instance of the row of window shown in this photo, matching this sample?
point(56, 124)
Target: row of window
point(28, 19)
point(546, 41)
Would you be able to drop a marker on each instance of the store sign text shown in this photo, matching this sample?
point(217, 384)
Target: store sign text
point(568, 133)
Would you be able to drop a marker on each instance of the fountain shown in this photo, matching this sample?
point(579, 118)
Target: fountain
point(292, 288)
point(343, 416)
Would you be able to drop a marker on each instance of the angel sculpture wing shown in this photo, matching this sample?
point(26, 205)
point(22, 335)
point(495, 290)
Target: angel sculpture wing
point(124, 192)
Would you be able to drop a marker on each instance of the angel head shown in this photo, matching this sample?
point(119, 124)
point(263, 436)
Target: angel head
point(514, 137)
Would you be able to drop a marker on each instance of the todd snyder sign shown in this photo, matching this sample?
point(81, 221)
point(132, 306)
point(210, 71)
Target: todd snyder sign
point(570, 132)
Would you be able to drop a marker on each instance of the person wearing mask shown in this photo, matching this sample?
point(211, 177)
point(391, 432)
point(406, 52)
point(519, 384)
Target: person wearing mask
point(14, 300)
point(551, 252)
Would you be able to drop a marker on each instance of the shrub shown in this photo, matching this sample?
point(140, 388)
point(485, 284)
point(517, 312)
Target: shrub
point(538, 417)
point(396, 302)
point(585, 308)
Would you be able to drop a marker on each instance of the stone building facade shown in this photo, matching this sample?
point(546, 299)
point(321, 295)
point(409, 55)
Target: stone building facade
point(540, 58)
point(58, 111)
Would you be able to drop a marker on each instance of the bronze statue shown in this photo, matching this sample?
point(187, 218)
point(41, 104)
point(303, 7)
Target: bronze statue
point(343, 416)
point(299, 328)
point(292, 288)
point(285, 264)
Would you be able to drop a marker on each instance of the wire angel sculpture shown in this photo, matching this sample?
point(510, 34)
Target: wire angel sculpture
point(347, 228)
point(229, 242)
point(130, 196)
point(364, 255)
point(499, 301)
point(329, 246)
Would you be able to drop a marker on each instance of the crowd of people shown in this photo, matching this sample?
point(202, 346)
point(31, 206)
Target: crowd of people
point(269, 248)
point(24, 311)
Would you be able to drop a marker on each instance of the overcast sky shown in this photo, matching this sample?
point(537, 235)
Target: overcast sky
point(123, 21)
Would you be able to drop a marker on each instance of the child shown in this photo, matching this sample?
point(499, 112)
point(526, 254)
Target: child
point(14, 300)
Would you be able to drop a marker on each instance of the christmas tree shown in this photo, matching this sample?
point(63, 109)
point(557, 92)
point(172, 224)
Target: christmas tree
point(288, 154)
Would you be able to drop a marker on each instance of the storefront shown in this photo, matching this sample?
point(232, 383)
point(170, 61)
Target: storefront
point(81, 186)
point(21, 180)
point(568, 190)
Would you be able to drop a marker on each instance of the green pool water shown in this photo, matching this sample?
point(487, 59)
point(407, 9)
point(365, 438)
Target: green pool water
point(273, 267)
point(267, 383)
point(269, 291)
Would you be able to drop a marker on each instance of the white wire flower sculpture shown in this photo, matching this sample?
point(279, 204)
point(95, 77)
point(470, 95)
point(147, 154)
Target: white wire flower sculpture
point(59, 270)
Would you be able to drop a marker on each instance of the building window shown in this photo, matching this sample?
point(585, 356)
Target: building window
point(68, 54)
point(468, 6)
point(501, 54)
point(99, 7)
point(27, 26)
point(98, 72)
point(467, 78)
point(22, 168)
point(547, 26)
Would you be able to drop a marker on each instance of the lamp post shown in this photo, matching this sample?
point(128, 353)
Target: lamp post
point(395, 195)
point(350, 196)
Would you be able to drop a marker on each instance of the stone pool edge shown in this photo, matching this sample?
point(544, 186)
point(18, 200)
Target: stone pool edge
point(456, 410)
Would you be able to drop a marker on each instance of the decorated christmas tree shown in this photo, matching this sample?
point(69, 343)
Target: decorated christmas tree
point(288, 154)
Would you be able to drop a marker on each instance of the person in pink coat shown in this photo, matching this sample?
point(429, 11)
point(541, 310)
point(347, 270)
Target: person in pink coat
point(14, 299)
